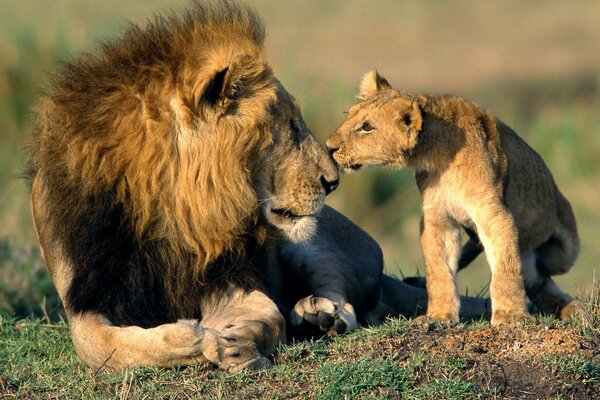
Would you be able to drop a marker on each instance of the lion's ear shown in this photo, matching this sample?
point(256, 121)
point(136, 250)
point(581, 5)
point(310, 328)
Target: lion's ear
point(215, 89)
point(371, 84)
point(411, 119)
point(226, 85)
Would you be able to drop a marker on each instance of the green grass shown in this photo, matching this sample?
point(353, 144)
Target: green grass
point(368, 375)
point(586, 370)
point(399, 359)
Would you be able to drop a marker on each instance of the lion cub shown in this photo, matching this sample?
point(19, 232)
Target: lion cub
point(474, 173)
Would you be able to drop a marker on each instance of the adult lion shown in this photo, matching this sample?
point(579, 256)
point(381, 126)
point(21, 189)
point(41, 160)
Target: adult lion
point(176, 195)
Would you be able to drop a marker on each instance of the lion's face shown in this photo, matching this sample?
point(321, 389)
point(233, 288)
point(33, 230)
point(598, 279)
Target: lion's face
point(296, 172)
point(263, 159)
point(380, 130)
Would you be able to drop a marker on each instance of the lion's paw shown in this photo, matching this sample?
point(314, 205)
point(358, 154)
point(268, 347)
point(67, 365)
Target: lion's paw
point(183, 338)
point(235, 348)
point(255, 364)
point(317, 315)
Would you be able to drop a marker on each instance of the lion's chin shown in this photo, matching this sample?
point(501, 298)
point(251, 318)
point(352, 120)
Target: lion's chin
point(296, 229)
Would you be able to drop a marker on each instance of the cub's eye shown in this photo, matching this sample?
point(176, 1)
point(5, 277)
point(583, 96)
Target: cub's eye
point(365, 128)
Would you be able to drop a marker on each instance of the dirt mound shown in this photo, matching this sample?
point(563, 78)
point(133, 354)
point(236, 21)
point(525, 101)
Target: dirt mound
point(525, 362)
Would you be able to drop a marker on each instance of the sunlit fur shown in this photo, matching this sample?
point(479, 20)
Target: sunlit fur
point(151, 160)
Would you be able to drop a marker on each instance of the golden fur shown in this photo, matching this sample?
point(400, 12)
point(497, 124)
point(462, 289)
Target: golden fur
point(164, 169)
point(474, 173)
point(178, 200)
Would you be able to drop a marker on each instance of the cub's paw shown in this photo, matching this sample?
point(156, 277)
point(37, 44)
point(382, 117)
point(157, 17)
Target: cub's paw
point(508, 317)
point(573, 309)
point(444, 320)
point(316, 315)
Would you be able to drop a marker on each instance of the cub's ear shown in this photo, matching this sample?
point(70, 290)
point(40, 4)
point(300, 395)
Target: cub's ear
point(411, 119)
point(371, 84)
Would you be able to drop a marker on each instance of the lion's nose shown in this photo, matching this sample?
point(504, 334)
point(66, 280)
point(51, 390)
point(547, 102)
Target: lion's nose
point(329, 186)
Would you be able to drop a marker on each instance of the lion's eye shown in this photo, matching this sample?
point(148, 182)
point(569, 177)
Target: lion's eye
point(365, 128)
point(296, 130)
point(295, 125)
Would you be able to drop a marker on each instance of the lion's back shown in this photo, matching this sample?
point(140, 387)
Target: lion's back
point(103, 151)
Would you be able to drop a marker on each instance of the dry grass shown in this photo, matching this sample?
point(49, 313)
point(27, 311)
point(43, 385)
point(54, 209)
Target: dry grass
point(400, 359)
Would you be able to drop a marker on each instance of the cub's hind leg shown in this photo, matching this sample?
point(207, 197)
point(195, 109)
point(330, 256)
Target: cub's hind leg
point(541, 288)
point(554, 257)
point(545, 293)
point(558, 254)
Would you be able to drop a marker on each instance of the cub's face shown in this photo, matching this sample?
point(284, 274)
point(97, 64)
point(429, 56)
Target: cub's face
point(380, 130)
point(296, 173)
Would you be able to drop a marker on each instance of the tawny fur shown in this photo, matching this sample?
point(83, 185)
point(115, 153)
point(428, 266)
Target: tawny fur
point(163, 160)
point(474, 173)
point(178, 200)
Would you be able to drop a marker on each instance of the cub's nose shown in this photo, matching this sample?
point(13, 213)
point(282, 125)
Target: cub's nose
point(329, 186)
point(331, 145)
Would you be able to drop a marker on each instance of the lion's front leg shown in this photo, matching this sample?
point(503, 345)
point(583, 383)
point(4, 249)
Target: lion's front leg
point(239, 332)
point(338, 272)
point(244, 330)
point(103, 345)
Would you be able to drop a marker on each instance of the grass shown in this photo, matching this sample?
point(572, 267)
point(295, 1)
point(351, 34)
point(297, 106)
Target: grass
point(586, 370)
point(400, 359)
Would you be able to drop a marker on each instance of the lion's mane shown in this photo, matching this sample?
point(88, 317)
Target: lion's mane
point(131, 183)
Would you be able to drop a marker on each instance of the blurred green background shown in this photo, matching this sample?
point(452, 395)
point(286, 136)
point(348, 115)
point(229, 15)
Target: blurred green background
point(535, 64)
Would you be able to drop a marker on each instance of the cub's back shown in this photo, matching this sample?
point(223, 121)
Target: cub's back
point(529, 188)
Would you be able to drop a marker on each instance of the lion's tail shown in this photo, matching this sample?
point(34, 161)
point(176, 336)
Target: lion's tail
point(402, 297)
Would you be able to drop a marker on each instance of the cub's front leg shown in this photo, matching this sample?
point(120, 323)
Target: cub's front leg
point(440, 242)
point(498, 233)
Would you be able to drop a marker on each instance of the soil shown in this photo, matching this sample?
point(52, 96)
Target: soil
point(507, 363)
